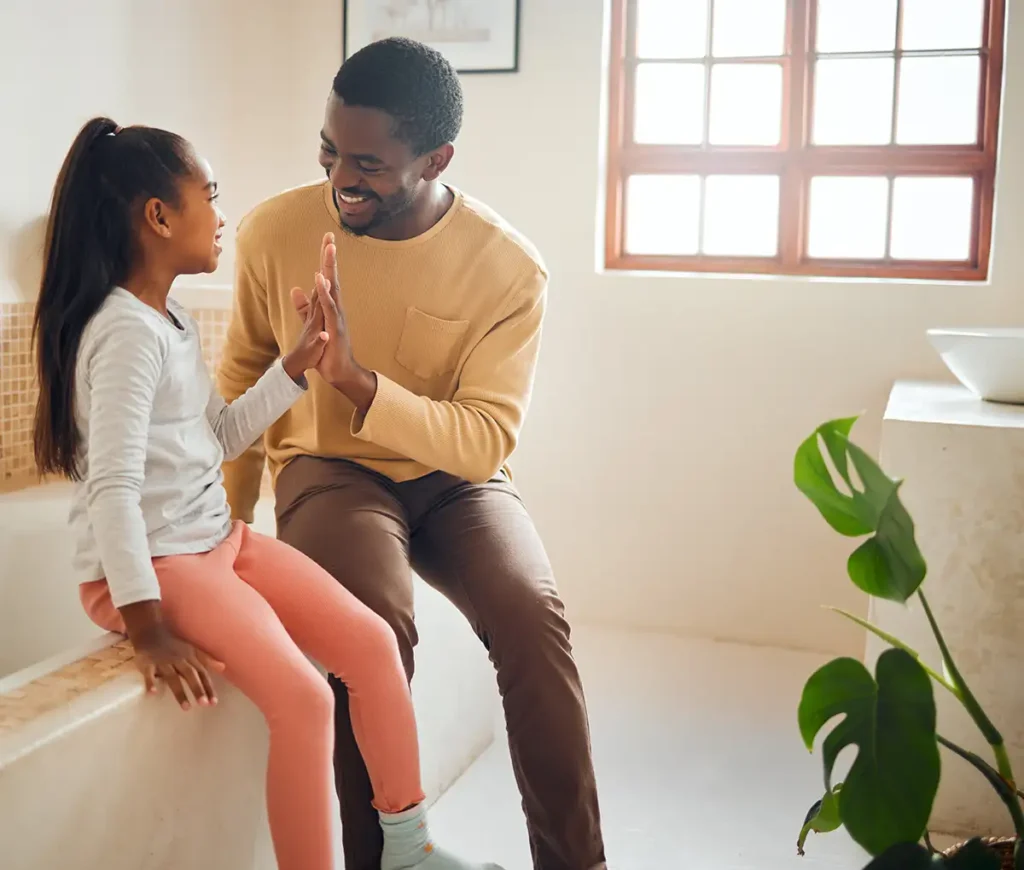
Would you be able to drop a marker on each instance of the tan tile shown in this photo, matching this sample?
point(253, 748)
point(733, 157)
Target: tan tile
point(50, 692)
point(19, 389)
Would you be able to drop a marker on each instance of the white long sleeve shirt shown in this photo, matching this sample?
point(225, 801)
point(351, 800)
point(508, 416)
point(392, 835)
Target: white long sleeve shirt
point(154, 435)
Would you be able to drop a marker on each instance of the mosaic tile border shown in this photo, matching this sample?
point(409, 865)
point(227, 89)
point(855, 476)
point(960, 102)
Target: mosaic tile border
point(33, 714)
point(18, 391)
point(58, 688)
point(19, 387)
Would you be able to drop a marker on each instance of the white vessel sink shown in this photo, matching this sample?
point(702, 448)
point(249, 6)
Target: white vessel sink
point(989, 362)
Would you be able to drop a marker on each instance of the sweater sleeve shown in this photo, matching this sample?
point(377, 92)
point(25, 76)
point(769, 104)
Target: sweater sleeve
point(239, 424)
point(123, 371)
point(474, 434)
point(250, 348)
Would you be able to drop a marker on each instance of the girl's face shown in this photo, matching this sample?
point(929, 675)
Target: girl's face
point(192, 229)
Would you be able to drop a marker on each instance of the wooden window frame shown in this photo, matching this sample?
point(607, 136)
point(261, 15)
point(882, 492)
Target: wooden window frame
point(795, 160)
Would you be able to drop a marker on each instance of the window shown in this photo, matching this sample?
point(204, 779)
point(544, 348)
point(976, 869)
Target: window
point(848, 138)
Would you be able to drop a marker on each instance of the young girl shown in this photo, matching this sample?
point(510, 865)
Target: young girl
point(127, 410)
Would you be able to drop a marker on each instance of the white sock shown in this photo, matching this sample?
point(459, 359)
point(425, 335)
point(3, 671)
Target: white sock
point(408, 845)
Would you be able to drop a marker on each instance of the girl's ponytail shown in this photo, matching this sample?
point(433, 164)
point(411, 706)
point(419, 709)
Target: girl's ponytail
point(90, 245)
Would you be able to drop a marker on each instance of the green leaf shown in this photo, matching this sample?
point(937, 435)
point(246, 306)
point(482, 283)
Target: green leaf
point(814, 480)
point(866, 567)
point(910, 856)
point(822, 818)
point(888, 565)
point(888, 794)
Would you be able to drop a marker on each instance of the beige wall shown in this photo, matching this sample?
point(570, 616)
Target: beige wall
point(658, 454)
point(245, 81)
point(658, 458)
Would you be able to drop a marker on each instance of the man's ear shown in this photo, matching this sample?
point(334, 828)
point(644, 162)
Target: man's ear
point(437, 161)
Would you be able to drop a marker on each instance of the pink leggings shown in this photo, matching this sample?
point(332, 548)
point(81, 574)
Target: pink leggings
point(257, 605)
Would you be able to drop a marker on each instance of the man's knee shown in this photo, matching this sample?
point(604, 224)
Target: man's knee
point(531, 624)
point(365, 553)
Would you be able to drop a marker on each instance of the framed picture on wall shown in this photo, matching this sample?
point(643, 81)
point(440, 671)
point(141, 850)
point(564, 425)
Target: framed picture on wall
point(477, 36)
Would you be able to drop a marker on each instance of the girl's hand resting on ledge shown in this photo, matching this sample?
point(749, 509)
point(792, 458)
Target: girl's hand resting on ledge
point(159, 655)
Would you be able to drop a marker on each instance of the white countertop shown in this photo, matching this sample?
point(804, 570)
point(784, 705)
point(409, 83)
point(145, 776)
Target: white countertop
point(948, 404)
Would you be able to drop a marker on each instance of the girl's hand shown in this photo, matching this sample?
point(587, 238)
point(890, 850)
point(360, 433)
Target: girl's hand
point(159, 655)
point(309, 347)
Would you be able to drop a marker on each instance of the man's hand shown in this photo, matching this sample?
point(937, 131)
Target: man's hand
point(338, 365)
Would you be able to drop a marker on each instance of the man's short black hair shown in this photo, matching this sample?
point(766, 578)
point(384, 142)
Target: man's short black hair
point(410, 81)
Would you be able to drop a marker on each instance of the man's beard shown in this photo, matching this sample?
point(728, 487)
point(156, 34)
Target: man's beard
point(386, 211)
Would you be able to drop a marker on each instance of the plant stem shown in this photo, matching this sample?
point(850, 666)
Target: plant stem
point(966, 696)
point(1006, 794)
point(1003, 763)
point(892, 640)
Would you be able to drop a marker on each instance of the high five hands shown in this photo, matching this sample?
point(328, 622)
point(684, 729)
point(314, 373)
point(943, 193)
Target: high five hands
point(336, 364)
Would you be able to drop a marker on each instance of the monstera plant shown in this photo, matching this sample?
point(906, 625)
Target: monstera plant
point(886, 798)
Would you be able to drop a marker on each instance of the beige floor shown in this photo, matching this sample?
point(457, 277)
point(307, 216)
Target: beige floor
point(698, 756)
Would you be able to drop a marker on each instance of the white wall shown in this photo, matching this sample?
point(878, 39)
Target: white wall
point(658, 454)
point(245, 81)
point(658, 458)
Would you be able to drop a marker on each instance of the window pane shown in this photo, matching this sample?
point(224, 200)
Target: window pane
point(931, 218)
point(931, 24)
point(741, 215)
point(669, 104)
point(848, 218)
point(853, 101)
point(672, 28)
point(864, 25)
point(663, 214)
point(746, 104)
point(938, 101)
point(749, 28)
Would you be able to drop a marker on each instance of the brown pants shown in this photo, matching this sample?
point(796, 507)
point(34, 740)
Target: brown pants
point(478, 546)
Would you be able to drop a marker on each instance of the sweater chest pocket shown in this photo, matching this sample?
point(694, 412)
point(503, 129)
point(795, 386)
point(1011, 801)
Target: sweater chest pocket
point(429, 346)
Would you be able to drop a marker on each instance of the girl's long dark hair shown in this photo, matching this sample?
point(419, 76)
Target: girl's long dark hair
point(107, 177)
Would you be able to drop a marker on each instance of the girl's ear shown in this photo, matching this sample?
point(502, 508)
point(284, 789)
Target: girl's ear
point(155, 217)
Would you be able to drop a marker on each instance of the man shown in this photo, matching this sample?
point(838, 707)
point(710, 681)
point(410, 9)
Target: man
point(396, 456)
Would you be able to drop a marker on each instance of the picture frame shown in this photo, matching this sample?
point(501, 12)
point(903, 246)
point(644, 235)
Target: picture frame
point(476, 36)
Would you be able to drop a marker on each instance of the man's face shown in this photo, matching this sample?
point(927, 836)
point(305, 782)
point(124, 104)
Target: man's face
point(376, 177)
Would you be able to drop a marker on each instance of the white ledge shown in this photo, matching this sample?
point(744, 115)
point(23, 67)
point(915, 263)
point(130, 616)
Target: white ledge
point(204, 295)
point(948, 404)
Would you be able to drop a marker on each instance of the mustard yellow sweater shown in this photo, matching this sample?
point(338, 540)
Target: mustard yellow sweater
point(450, 321)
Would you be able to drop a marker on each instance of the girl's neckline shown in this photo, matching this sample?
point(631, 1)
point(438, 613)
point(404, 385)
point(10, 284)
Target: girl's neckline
point(171, 319)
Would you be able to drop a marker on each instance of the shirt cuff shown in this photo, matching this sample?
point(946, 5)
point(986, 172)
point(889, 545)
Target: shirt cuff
point(294, 389)
point(145, 587)
point(388, 404)
point(134, 596)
